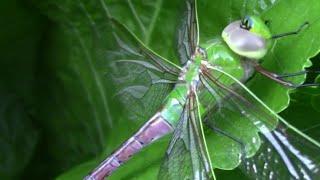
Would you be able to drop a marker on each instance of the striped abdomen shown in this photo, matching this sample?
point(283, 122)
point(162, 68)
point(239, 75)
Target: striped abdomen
point(153, 129)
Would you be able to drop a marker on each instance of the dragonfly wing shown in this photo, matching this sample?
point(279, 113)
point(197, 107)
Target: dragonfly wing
point(188, 33)
point(284, 152)
point(187, 157)
point(284, 155)
point(141, 78)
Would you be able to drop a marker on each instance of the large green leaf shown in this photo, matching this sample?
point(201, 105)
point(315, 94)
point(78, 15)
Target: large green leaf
point(78, 92)
point(280, 58)
point(72, 100)
point(304, 108)
point(154, 22)
point(287, 55)
point(76, 96)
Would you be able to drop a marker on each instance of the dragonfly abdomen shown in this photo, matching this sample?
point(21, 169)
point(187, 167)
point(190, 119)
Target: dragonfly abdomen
point(154, 129)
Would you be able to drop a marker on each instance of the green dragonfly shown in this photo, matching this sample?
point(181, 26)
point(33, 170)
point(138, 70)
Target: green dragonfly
point(206, 92)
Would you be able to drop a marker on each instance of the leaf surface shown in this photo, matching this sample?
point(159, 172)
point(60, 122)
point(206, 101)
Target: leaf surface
point(80, 97)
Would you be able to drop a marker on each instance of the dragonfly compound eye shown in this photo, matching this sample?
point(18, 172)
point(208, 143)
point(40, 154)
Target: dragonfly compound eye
point(246, 23)
point(244, 42)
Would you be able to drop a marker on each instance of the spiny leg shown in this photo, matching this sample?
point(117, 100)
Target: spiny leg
point(297, 73)
point(276, 36)
point(279, 77)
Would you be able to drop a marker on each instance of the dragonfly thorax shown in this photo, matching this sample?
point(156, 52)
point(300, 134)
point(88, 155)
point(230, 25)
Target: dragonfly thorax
point(190, 72)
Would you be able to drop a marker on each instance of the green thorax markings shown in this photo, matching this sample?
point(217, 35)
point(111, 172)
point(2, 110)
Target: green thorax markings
point(221, 56)
point(191, 74)
point(176, 100)
point(217, 54)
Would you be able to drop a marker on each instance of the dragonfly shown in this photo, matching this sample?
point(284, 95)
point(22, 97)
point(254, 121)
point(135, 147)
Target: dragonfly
point(206, 92)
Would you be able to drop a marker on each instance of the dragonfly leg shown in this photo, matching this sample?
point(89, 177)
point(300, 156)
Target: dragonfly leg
point(276, 36)
point(279, 77)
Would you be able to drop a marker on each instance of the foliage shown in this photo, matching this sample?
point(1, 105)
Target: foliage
point(55, 99)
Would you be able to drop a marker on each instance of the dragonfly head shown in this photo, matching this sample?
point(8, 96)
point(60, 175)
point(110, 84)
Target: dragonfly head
point(248, 37)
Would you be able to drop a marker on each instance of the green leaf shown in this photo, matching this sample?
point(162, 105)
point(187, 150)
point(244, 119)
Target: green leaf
point(74, 92)
point(293, 57)
point(72, 100)
point(287, 55)
point(304, 110)
point(154, 22)
point(77, 93)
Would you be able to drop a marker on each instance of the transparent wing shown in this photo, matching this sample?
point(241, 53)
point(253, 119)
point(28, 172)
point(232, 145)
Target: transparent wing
point(281, 152)
point(188, 33)
point(140, 78)
point(187, 157)
point(284, 154)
